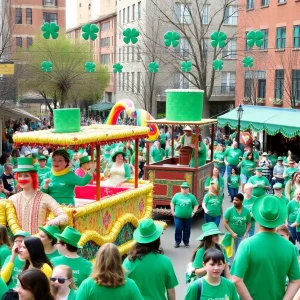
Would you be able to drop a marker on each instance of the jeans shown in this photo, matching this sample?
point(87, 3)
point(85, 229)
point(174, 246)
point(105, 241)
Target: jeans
point(182, 230)
point(292, 231)
point(236, 244)
point(222, 171)
point(232, 192)
point(251, 230)
point(209, 218)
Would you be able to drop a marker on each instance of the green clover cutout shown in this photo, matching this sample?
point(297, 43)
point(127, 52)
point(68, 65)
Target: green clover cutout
point(117, 68)
point(255, 38)
point(130, 35)
point(248, 62)
point(186, 66)
point(89, 31)
point(46, 66)
point(153, 67)
point(90, 67)
point(50, 29)
point(218, 64)
point(171, 39)
point(218, 38)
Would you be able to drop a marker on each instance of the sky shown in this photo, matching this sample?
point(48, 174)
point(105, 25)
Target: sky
point(71, 13)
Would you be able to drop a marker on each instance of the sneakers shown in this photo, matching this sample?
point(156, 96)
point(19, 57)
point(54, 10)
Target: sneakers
point(176, 246)
point(186, 245)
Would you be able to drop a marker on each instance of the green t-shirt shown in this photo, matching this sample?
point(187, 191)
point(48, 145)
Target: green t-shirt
point(49, 162)
point(3, 288)
point(169, 151)
point(42, 173)
point(260, 260)
point(273, 159)
point(288, 172)
point(219, 155)
point(220, 183)
point(154, 275)
point(224, 291)
point(213, 204)
point(90, 290)
point(293, 209)
point(247, 167)
point(81, 267)
point(233, 156)
point(262, 182)
point(53, 254)
point(157, 154)
point(255, 155)
point(2, 196)
point(234, 181)
point(202, 154)
point(284, 199)
point(17, 269)
point(72, 295)
point(248, 203)
point(163, 138)
point(237, 221)
point(184, 205)
point(4, 253)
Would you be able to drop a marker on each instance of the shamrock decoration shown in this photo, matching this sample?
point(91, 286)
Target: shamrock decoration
point(50, 29)
point(255, 38)
point(46, 66)
point(117, 68)
point(171, 38)
point(130, 35)
point(89, 31)
point(218, 38)
point(248, 62)
point(90, 67)
point(218, 64)
point(186, 66)
point(153, 67)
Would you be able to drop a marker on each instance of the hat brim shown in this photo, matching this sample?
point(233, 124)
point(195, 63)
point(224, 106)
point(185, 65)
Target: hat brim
point(67, 241)
point(209, 233)
point(116, 153)
point(145, 240)
point(47, 232)
point(23, 170)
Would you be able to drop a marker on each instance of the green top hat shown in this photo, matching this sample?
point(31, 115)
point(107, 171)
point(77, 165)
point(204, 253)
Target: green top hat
point(70, 236)
point(25, 164)
point(259, 169)
point(185, 185)
point(280, 158)
point(42, 157)
point(116, 152)
point(277, 186)
point(22, 233)
point(84, 159)
point(208, 229)
point(147, 232)
point(50, 230)
point(66, 120)
point(269, 211)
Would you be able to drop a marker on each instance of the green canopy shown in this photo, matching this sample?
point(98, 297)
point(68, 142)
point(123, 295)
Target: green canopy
point(102, 106)
point(271, 119)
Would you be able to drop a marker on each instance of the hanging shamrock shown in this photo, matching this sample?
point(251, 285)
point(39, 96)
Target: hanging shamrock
point(89, 31)
point(218, 38)
point(171, 39)
point(218, 64)
point(50, 29)
point(130, 35)
point(46, 66)
point(186, 66)
point(117, 68)
point(255, 38)
point(90, 67)
point(248, 62)
point(153, 67)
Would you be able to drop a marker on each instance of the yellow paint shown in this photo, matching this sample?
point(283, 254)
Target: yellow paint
point(7, 69)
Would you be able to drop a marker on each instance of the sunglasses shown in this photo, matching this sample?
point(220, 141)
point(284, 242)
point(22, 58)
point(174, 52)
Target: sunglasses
point(60, 280)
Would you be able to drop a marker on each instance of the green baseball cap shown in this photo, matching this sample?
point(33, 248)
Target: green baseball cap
point(84, 159)
point(277, 186)
point(42, 157)
point(280, 158)
point(258, 169)
point(185, 185)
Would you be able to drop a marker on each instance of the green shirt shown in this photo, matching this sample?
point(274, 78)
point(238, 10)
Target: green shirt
point(288, 172)
point(4, 253)
point(273, 159)
point(248, 203)
point(233, 156)
point(224, 291)
point(255, 155)
point(17, 269)
point(220, 183)
point(184, 205)
point(90, 290)
point(263, 259)
point(247, 167)
point(298, 221)
point(72, 295)
point(154, 275)
point(213, 204)
point(61, 188)
point(284, 199)
point(157, 154)
point(237, 221)
point(219, 155)
point(293, 208)
point(3, 288)
point(234, 181)
point(53, 254)
point(42, 173)
point(2, 196)
point(262, 182)
point(202, 153)
point(81, 267)
point(163, 138)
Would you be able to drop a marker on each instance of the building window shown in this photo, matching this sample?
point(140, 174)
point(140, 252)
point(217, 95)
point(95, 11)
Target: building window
point(28, 16)
point(127, 86)
point(228, 83)
point(128, 52)
point(183, 49)
point(29, 41)
point(280, 37)
point(297, 36)
point(128, 14)
point(231, 15)
point(105, 59)
point(205, 14)
point(296, 84)
point(281, 1)
point(265, 2)
point(138, 82)
point(123, 82)
point(180, 81)
point(19, 41)
point(120, 17)
point(104, 26)
point(255, 85)
point(229, 51)
point(120, 54)
point(132, 53)
point(279, 84)
point(205, 44)
point(138, 56)
point(133, 12)
point(52, 3)
point(264, 46)
point(50, 17)
point(123, 15)
point(139, 10)
point(119, 82)
point(132, 82)
point(183, 13)
point(105, 42)
point(250, 4)
point(18, 18)
point(124, 53)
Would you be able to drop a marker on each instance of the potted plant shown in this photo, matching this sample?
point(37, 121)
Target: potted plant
point(277, 102)
point(246, 100)
point(260, 101)
point(297, 103)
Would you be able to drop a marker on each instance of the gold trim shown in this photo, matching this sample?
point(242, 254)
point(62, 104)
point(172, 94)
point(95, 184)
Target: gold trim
point(151, 175)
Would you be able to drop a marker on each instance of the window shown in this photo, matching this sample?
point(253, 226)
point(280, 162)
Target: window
point(105, 42)
point(127, 86)
point(229, 51)
point(265, 2)
point(19, 41)
point(120, 17)
point(279, 84)
point(120, 54)
point(231, 15)
point(205, 14)
point(138, 82)
point(280, 37)
point(296, 84)
point(119, 81)
point(183, 13)
point(139, 10)
point(264, 46)
point(105, 59)
point(205, 44)
point(281, 1)
point(28, 16)
point(124, 53)
point(132, 53)
point(255, 85)
point(128, 14)
point(132, 82)
point(138, 56)
point(104, 26)
point(297, 36)
point(180, 81)
point(183, 49)
point(18, 18)
point(128, 50)
point(133, 12)
point(29, 41)
point(261, 88)
point(227, 83)
point(50, 17)
point(250, 4)
point(123, 15)
point(123, 82)
point(53, 3)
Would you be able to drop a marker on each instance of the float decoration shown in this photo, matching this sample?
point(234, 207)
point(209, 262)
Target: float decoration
point(153, 67)
point(90, 67)
point(117, 68)
point(255, 38)
point(218, 64)
point(186, 66)
point(46, 66)
point(171, 39)
point(248, 62)
point(50, 29)
point(218, 38)
point(90, 31)
point(130, 35)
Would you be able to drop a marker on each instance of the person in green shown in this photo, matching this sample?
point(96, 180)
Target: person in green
point(2, 194)
point(168, 149)
point(107, 154)
point(293, 208)
point(292, 185)
point(218, 159)
point(47, 237)
point(146, 254)
point(288, 172)
point(42, 168)
point(61, 181)
point(249, 199)
point(163, 138)
point(233, 182)
point(202, 154)
point(216, 177)
point(278, 188)
point(237, 220)
point(184, 205)
point(254, 153)
point(157, 153)
point(247, 166)
point(67, 247)
point(3, 288)
point(266, 257)
point(260, 183)
point(107, 280)
point(273, 157)
point(212, 285)
point(5, 245)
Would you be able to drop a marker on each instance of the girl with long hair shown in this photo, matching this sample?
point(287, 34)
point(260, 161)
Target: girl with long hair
point(108, 278)
point(217, 178)
point(5, 245)
point(219, 159)
point(247, 167)
point(292, 185)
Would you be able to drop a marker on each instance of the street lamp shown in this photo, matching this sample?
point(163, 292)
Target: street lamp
point(239, 113)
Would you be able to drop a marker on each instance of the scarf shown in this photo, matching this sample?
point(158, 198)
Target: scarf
point(61, 173)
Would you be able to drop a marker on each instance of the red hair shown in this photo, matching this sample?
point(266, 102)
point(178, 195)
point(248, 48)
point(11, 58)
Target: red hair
point(34, 177)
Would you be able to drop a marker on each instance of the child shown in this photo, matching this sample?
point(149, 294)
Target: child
point(2, 195)
point(233, 183)
point(212, 285)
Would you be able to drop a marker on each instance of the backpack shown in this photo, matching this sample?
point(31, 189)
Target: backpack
point(199, 288)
